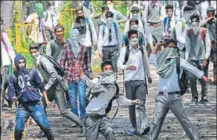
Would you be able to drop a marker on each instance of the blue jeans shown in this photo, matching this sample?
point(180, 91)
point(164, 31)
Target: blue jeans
point(37, 112)
point(78, 89)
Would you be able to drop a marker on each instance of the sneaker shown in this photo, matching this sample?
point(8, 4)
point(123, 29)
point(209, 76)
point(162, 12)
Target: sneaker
point(144, 130)
point(204, 102)
point(194, 102)
point(214, 83)
point(74, 125)
point(131, 132)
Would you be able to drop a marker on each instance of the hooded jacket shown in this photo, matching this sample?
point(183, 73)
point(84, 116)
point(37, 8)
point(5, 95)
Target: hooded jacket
point(24, 83)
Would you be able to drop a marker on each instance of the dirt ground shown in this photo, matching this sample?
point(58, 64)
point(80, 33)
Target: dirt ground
point(204, 119)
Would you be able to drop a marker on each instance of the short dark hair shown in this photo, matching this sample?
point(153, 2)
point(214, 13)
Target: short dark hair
point(169, 6)
point(134, 20)
point(195, 15)
point(134, 8)
point(109, 14)
point(130, 32)
point(170, 41)
point(105, 8)
point(58, 26)
point(106, 62)
point(34, 46)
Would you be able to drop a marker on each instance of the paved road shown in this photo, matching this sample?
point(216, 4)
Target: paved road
point(204, 119)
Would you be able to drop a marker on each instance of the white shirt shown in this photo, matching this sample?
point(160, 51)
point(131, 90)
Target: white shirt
point(104, 40)
point(143, 28)
point(7, 56)
point(49, 21)
point(171, 84)
point(181, 33)
point(165, 26)
point(135, 59)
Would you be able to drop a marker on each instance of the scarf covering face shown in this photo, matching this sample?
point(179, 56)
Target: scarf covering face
point(73, 41)
point(166, 62)
point(106, 78)
point(39, 9)
point(195, 28)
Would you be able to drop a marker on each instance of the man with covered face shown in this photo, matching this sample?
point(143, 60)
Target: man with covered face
point(36, 32)
point(109, 42)
point(104, 91)
point(55, 84)
point(88, 36)
point(168, 97)
point(141, 26)
point(197, 53)
point(133, 60)
point(134, 26)
point(25, 85)
point(74, 56)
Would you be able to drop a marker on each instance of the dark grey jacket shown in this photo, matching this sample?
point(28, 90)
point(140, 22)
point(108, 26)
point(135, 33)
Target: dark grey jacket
point(49, 73)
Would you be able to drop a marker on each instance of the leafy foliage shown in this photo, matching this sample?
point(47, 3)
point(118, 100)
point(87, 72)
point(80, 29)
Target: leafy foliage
point(66, 19)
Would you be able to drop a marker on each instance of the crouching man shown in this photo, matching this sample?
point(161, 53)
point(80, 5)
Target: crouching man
point(104, 90)
point(24, 83)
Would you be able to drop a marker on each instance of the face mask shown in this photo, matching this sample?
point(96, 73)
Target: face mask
point(109, 22)
point(136, 16)
point(109, 71)
point(74, 34)
point(134, 27)
point(134, 42)
point(36, 56)
point(194, 25)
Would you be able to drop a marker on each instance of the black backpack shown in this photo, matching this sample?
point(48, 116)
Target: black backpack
point(183, 80)
point(128, 52)
point(57, 67)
